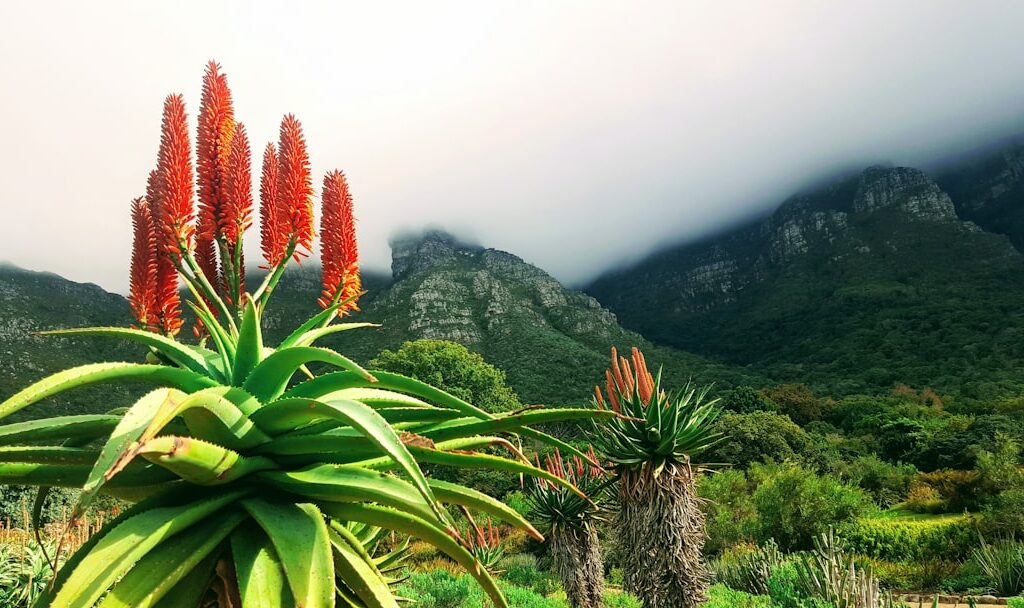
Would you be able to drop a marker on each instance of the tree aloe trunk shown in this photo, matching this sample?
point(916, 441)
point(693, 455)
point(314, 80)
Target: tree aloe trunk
point(576, 554)
point(661, 533)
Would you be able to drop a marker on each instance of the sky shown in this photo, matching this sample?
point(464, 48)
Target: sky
point(579, 135)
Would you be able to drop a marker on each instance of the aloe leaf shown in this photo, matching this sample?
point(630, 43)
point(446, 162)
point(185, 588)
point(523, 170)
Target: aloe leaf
point(201, 462)
point(510, 422)
point(129, 542)
point(415, 526)
point(270, 377)
point(49, 455)
point(335, 381)
point(488, 461)
point(461, 495)
point(156, 574)
point(311, 336)
point(379, 397)
point(189, 591)
point(115, 454)
point(315, 321)
point(93, 373)
point(73, 476)
point(249, 348)
point(168, 347)
point(218, 414)
point(261, 581)
point(87, 426)
point(338, 483)
point(299, 536)
point(360, 575)
point(287, 412)
point(224, 344)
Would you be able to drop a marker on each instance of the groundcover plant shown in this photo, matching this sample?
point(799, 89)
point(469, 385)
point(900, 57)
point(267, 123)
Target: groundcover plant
point(255, 482)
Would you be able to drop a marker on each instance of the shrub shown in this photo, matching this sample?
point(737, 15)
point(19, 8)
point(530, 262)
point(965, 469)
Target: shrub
point(745, 399)
point(785, 592)
point(912, 538)
point(922, 498)
point(731, 514)
point(888, 483)
point(797, 401)
point(620, 599)
point(721, 596)
point(795, 504)
point(958, 489)
point(522, 570)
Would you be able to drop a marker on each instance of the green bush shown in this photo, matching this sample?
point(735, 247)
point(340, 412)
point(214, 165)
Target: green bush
point(795, 504)
point(620, 599)
point(720, 596)
point(784, 589)
point(901, 537)
point(747, 568)
point(729, 507)
point(521, 570)
point(757, 437)
point(1002, 561)
point(887, 483)
point(1015, 602)
point(442, 589)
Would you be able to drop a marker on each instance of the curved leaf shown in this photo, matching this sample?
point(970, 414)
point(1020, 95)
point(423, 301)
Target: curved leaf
point(456, 494)
point(299, 536)
point(218, 414)
point(168, 347)
point(249, 347)
point(201, 462)
point(156, 574)
point(271, 376)
point(360, 575)
point(93, 373)
point(261, 581)
point(86, 426)
point(311, 336)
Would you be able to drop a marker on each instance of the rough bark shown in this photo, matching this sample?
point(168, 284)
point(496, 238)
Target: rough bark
point(576, 554)
point(661, 532)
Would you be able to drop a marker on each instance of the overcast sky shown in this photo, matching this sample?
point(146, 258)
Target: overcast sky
point(578, 135)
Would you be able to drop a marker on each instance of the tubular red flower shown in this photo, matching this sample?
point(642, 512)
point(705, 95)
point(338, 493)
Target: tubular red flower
point(294, 183)
point(213, 148)
point(143, 288)
point(236, 212)
point(175, 175)
point(167, 298)
point(338, 247)
point(273, 223)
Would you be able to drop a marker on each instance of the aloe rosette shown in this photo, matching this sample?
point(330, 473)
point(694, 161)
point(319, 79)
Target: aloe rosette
point(254, 482)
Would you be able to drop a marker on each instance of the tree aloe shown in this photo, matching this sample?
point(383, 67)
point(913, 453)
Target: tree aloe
point(254, 482)
point(570, 523)
point(651, 445)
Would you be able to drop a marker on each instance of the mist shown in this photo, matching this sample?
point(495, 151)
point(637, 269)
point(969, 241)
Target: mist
point(578, 135)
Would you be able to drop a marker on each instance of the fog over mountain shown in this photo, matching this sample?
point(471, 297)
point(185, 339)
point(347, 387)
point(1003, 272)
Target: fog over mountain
point(578, 135)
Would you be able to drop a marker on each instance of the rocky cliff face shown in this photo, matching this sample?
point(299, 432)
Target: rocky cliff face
point(773, 293)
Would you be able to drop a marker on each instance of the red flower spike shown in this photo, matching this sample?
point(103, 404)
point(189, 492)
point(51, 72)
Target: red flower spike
point(236, 212)
point(143, 288)
point(338, 248)
point(175, 176)
point(167, 297)
point(273, 223)
point(294, 183)
point(213, 147)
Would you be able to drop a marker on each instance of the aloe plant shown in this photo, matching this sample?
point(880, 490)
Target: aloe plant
point(570, 523)
point(652, 446)
point(255, 483)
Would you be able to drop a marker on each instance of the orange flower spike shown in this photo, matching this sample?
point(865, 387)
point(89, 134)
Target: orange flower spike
point(168, 299)
point(175, 168)
point(142, 295)
point(598, 398)
point(612, 396)
point(273, 223)
point(294, 183)
point(236, 213)
point(628, 377)
point(616, 372)
point(338, 246)
point(213, 148)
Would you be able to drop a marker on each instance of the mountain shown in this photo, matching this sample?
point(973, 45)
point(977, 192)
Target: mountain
point(551, 342)
point(877, 279)
point(31, 302)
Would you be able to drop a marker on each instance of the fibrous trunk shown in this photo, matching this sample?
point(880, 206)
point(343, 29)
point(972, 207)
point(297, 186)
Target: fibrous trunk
point(661, 537)
point(576, 554)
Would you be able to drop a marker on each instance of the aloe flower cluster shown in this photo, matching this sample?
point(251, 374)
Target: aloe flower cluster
point(254, 483)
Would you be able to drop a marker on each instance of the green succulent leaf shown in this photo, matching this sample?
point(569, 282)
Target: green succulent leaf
point(249, 348)
point(269, 379)
point(85, 426)
point(168, 347)
point(299, 536)
point(261, 581)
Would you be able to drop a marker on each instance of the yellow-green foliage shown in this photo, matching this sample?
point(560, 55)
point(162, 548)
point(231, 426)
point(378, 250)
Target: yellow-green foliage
point(907, 537)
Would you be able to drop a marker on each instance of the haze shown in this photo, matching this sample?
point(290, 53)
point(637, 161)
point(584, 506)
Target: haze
point(578, 135)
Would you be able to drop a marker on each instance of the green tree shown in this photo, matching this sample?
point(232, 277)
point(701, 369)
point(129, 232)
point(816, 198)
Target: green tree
point(746, 399)
point(453, 368)
point(797, 401)
point(757, 437)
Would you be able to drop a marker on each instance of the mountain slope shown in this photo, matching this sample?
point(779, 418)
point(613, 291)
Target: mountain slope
point(869, 282)
point(552, 342)
point(31, 302)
